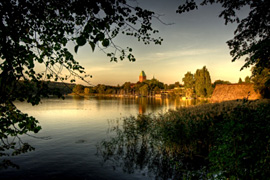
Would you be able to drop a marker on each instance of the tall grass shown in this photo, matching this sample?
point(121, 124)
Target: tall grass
point(211, 141)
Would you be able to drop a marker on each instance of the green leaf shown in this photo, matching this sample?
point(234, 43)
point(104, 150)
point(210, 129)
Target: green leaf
point(93, 45)
point(105, 42)
point(100, 36)
point(76, 48)
point(81, 41)
point(88, 28)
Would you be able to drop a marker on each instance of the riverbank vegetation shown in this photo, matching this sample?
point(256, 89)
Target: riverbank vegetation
point(234, 139)
point(212, 141)
point(197, 85)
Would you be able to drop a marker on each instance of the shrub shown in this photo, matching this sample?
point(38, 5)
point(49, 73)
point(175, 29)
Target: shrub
point(210, 141)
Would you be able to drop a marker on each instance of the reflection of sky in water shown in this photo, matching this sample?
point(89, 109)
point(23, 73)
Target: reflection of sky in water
point(71, 128)
point(95, 105)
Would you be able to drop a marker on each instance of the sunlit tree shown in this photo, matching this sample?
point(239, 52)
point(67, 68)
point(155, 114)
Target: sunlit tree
point(188, 80)
point(126, 87)
point(203, 86)
point(86, 91)
point(78, 89)
point(144, 90)
point(101, 89)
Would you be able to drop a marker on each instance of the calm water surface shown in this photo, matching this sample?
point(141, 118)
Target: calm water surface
point(65, 148)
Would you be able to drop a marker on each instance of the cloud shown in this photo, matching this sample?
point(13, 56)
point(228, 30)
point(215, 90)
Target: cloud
point(190, 52)
point(176, 54)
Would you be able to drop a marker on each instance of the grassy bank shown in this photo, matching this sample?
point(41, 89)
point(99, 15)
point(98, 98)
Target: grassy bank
point(212, 141)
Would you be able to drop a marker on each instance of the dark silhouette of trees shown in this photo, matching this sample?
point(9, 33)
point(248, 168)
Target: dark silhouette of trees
point(261, 82)
point(247, 79)
point(220, 82)
point(240, 81)
point(37, 32)
point(252, 35)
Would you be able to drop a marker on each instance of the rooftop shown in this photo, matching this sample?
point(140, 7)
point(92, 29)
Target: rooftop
point(142, 74)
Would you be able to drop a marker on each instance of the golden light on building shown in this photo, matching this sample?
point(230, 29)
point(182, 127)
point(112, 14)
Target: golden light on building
point(142, 76)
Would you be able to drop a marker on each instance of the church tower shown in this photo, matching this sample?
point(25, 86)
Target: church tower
point(142, 76)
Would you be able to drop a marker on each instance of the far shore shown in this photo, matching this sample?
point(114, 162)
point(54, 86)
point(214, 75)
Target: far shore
point(157, 96)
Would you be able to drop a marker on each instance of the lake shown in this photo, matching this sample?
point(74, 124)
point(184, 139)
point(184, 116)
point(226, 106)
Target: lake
point(66, 147)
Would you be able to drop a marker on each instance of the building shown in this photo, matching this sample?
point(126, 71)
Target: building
point(228, 92)
point(142, 76)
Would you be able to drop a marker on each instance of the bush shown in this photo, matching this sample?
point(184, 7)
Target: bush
point(211, 141)
point(233, 137)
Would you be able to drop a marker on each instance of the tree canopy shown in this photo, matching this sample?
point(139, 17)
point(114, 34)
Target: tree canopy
point(188, 80)
point(203, 86)
point(220, 82)
point(262, 82)
point(252, 35)
point(240, 81)
point(38, 31)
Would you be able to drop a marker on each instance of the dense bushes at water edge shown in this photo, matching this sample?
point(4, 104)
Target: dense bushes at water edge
point(232, 137)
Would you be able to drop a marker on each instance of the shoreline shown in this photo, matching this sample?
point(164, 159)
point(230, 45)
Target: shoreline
point(138, 96)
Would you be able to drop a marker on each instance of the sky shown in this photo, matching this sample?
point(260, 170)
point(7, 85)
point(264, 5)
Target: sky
point(195, 39)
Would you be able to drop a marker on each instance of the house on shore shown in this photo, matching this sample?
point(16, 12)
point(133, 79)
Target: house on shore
point(228, 92)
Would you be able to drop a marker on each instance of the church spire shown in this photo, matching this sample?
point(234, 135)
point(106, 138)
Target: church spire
point(142, 76)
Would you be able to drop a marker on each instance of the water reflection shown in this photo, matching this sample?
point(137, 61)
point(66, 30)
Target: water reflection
point(13, 125)
point(135, 145)
point(143, 105)
point(82, 121)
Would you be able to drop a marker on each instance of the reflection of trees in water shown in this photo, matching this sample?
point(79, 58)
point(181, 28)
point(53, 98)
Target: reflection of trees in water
point(144, 104)
point(138, 146)
point(150, 104)
point(14, 124)
point(155, 104)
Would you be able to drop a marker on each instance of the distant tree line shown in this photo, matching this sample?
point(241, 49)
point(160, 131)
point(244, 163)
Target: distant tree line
point(145, 88)
point(198, 85)
point(194, 85)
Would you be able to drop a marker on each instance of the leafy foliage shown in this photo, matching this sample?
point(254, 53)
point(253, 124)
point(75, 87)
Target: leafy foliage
point(13, 124)
point(261, 82)
point(247, 79)
point(78, 89)
point(251, 37)
point(220, 82)
point(188, 80)
point(240, 81)
point(38, 31)
point(228, 140)
point(203, 86)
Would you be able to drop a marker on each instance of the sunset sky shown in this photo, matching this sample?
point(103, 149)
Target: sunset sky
point(196, 39)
